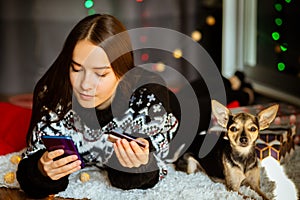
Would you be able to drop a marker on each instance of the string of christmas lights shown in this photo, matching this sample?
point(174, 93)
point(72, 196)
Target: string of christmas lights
point(281, 46)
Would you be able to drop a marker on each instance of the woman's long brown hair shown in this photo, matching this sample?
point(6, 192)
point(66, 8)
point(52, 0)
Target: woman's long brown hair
point(54, 88)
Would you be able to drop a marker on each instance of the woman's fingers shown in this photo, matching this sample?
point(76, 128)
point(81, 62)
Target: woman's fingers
point(57, 173)
point(58, 176)
point(142, 154)
point(125, 154)
point(54, 154)
point(63, 161)
point(118, 154)
point(144, 141)
point(130, 154)
point(56, 169)
point(49, 156)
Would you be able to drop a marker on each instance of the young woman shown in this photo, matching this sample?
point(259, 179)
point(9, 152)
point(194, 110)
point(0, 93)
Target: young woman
point(91, 89)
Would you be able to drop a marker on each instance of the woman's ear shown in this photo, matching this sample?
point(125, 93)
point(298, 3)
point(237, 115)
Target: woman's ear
point(220, 112)
point(266, 116)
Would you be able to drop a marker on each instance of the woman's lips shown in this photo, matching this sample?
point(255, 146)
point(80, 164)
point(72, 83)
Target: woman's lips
point(86, 97)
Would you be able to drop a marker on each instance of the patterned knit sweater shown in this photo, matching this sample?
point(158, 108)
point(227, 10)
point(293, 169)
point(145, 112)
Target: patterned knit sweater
point(148, 116)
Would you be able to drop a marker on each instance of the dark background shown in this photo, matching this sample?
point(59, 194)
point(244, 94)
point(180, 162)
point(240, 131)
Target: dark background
point(32, 34)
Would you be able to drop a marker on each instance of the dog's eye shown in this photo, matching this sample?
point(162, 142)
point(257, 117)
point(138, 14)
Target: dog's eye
point(233, 129)
point(253, 129)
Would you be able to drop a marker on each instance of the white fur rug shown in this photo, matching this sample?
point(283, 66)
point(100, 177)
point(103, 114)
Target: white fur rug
point(177, 185)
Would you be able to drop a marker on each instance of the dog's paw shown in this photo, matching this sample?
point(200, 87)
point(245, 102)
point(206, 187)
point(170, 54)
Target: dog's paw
point(193, 165)
point(187, 163)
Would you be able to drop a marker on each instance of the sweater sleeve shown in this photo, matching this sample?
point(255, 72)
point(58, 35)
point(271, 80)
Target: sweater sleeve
point(33, 182)
point(143, 177)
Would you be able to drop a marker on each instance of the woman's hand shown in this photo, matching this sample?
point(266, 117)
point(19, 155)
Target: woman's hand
point(57, 169)
point(130, 154)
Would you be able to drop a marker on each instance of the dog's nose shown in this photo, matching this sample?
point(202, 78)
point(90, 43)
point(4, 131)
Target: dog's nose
point(244, 140)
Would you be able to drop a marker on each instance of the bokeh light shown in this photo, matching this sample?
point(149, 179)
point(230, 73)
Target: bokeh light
point(145, 57)
point(277, 48)
point(143, 38)
point(196, 35)
point(284, 47)
point(281, 66)
point(278, 7)
point(275, 35)
point(88, 4)
point(160, 67)
point(278, 21)
point(91, 11)
point(210, 20)
point(177, 53)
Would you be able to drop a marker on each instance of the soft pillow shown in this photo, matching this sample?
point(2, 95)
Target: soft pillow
point(14, 122)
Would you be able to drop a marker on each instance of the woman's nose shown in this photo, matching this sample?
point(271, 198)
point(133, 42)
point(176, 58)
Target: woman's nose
point(86, 82)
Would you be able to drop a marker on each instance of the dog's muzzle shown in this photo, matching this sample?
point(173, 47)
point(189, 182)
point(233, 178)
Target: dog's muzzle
point(244, 141)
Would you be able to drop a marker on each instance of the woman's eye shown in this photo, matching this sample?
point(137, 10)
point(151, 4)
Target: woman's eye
point(101, 75)
point(233, 129)
point(253, 129)
point(75, 69)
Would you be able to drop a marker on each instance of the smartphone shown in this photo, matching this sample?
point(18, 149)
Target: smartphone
point(62, 142)
point(114, 135)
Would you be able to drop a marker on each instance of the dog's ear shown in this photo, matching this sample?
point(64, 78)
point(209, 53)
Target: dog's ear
point(220, 112)
point(266, 116)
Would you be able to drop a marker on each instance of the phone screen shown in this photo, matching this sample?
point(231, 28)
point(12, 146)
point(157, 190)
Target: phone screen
point(115, 135)
point(62, 142)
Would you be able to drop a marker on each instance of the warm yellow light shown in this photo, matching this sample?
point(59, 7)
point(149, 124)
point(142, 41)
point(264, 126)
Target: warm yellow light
point(160, 67)
point(177, 53)
point(196, 35)
point(210, 20)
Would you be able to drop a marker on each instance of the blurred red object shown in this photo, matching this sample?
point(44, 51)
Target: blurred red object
point(14, 122)
point(233, 104)
point(23, 100)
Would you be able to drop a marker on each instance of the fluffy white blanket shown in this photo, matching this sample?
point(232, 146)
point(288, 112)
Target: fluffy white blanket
point(177, 185)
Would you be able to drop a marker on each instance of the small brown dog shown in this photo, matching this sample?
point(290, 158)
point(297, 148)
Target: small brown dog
point(233, 160)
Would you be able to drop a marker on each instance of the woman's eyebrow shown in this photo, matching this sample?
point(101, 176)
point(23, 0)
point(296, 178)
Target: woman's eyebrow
point(76, 63)
point(102, 67)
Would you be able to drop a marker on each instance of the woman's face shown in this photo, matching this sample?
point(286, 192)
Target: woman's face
point(92, 78)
